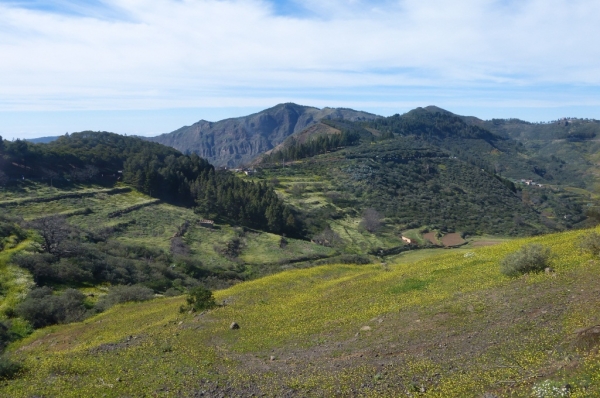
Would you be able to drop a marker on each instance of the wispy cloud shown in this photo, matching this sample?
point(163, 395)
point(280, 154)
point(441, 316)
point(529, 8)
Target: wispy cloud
point(155, 54)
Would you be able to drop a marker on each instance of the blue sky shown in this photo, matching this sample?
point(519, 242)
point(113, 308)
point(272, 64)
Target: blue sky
point(149, 67)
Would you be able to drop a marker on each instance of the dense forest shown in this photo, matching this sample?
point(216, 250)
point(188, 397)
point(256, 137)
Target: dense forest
point(152, 168)
point(431, 124)
point(318, 145)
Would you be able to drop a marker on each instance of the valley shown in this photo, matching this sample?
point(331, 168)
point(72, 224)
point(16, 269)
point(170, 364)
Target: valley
point(347, 254)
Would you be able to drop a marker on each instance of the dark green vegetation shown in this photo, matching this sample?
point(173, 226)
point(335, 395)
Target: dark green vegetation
point(564, 151)
point(42, 308)
point(591, 244)
point(413, 183)
point(294, 150)
point(428, 169)
point(199, 299)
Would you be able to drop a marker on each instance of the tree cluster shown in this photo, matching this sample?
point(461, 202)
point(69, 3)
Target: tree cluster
point(71, 256)
point(421, 122)
point(154, 169)
point(77, 157)
point(318, 145)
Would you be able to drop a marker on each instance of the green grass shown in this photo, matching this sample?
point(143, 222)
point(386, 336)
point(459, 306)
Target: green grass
point(265, 248)
point(15, 282)
point(359, 241)
point(415, 234)
point(408, 285)
point(449, 322)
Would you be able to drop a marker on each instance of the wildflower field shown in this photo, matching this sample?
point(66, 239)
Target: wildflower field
point(444, 325)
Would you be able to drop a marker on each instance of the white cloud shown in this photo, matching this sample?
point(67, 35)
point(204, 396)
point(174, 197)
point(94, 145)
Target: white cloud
point(167, 53)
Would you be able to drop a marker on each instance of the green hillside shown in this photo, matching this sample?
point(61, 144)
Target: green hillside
point(570, 145)
point(560, 152)
point(139, 223)
point(327, 255)
point(414, 184)
point(445, 325)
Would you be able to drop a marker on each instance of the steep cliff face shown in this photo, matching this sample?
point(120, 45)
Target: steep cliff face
point(237, 141)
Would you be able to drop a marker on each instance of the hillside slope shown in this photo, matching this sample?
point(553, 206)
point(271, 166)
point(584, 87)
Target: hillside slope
point(450, 325)
point(237, 141)
point(572, 144)
point(565, 158)
point(414, 183)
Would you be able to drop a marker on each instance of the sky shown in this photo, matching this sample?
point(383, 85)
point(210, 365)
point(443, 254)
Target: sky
point(148, 67)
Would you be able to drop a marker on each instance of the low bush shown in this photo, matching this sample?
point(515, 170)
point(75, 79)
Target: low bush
point(173, 292)
point(42, 308)
point(328, 238)
point(590, 243)
point(12, 330)
point(10, 230)
point(200, 298)
point(5, 337)
point(530, 258)
point(8, 368)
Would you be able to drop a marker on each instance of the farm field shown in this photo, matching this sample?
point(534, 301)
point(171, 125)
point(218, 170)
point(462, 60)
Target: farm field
point(435, 323)
point(137, 219)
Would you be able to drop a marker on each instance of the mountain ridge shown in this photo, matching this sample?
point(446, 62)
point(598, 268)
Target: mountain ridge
point(235, 141)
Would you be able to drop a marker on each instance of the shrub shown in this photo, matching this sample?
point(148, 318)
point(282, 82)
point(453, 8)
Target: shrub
point(327, 237)
point(591, 243)
point(42, 308)
point(121, 294)
point(5, 337)
point(371, 220)
point(172, 292)
point(10, 231)
point(530, 258)
point(200, 298)
point(8, 368)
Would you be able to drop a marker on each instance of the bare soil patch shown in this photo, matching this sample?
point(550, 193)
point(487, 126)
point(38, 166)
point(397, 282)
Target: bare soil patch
point(452, 239)
point(430, 236)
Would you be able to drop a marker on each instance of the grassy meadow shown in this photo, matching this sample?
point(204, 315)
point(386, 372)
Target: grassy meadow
point(439, 323)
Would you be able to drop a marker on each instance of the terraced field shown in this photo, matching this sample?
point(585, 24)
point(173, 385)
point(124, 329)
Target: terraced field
point(139, 219)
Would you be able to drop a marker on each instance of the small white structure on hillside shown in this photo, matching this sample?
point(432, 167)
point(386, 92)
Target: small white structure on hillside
point(408, 240)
